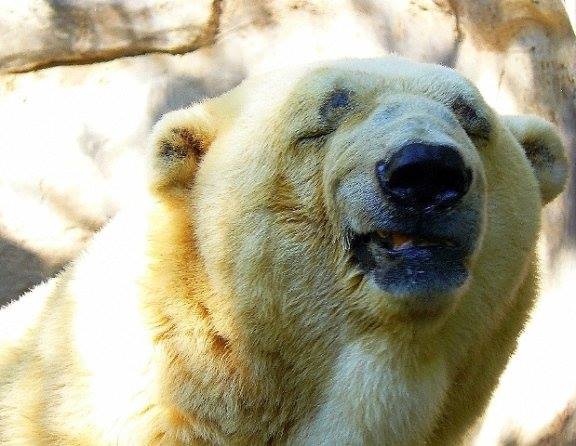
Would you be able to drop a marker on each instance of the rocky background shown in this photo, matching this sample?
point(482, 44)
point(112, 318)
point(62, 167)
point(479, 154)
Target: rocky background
point(83, 81)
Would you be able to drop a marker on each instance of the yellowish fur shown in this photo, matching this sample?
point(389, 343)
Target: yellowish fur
point(223, 308)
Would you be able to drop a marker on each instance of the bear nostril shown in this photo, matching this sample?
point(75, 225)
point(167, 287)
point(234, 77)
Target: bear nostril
point(424, 176)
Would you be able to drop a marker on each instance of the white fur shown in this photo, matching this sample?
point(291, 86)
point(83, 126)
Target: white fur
point(367, 387)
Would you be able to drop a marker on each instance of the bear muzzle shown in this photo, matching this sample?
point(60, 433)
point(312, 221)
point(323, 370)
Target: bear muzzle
point(411, 198)
point(421, 222)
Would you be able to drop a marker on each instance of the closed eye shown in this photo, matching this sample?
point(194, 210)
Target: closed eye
point(314, 136)
point(474, 122)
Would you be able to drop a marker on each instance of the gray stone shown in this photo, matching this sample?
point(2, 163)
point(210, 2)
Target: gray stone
point(39, 33)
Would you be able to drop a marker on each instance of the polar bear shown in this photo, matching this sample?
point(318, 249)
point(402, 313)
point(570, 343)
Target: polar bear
point(337, 254)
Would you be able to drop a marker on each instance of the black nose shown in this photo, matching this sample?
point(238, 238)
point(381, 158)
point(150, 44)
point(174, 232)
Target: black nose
point(424, 176)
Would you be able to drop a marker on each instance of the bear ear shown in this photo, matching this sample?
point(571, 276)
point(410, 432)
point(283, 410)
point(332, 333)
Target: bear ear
point(179, 140)
point(545, 151)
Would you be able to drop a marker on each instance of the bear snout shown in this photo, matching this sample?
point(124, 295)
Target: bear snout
point(423, 176)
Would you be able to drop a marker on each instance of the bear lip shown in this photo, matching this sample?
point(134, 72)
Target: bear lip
point(398, 241)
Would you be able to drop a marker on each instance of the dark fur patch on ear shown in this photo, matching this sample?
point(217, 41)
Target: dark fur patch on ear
point(538, 153)
point(475, 125)
point(170, 150)
point(182, 144)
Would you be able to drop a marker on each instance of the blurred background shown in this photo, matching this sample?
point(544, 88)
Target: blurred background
point(83, 81)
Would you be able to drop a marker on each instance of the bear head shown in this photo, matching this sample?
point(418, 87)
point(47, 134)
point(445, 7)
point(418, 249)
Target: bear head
point(376, 189)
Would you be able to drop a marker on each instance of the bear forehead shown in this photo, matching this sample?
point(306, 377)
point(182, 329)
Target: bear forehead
point(327, 91)
point(363, 74)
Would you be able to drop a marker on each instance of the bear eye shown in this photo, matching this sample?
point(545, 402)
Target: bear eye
point(474, 122)
point(313, 136)
point(332, 110)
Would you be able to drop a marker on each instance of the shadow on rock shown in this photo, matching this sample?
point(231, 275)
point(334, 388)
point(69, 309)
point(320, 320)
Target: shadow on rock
point(21, 270)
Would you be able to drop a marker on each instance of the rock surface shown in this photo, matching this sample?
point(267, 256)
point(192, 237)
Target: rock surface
point(74, 135)
point(40, 33)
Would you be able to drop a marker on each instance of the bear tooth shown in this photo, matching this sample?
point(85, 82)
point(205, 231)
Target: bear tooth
point(383, 234)
point(400, 241)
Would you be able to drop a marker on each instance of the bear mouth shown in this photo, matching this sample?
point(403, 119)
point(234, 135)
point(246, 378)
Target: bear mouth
point(410, 264)
point(397, 242)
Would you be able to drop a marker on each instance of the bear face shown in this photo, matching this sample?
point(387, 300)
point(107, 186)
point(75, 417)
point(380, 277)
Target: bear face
point(384, 183)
